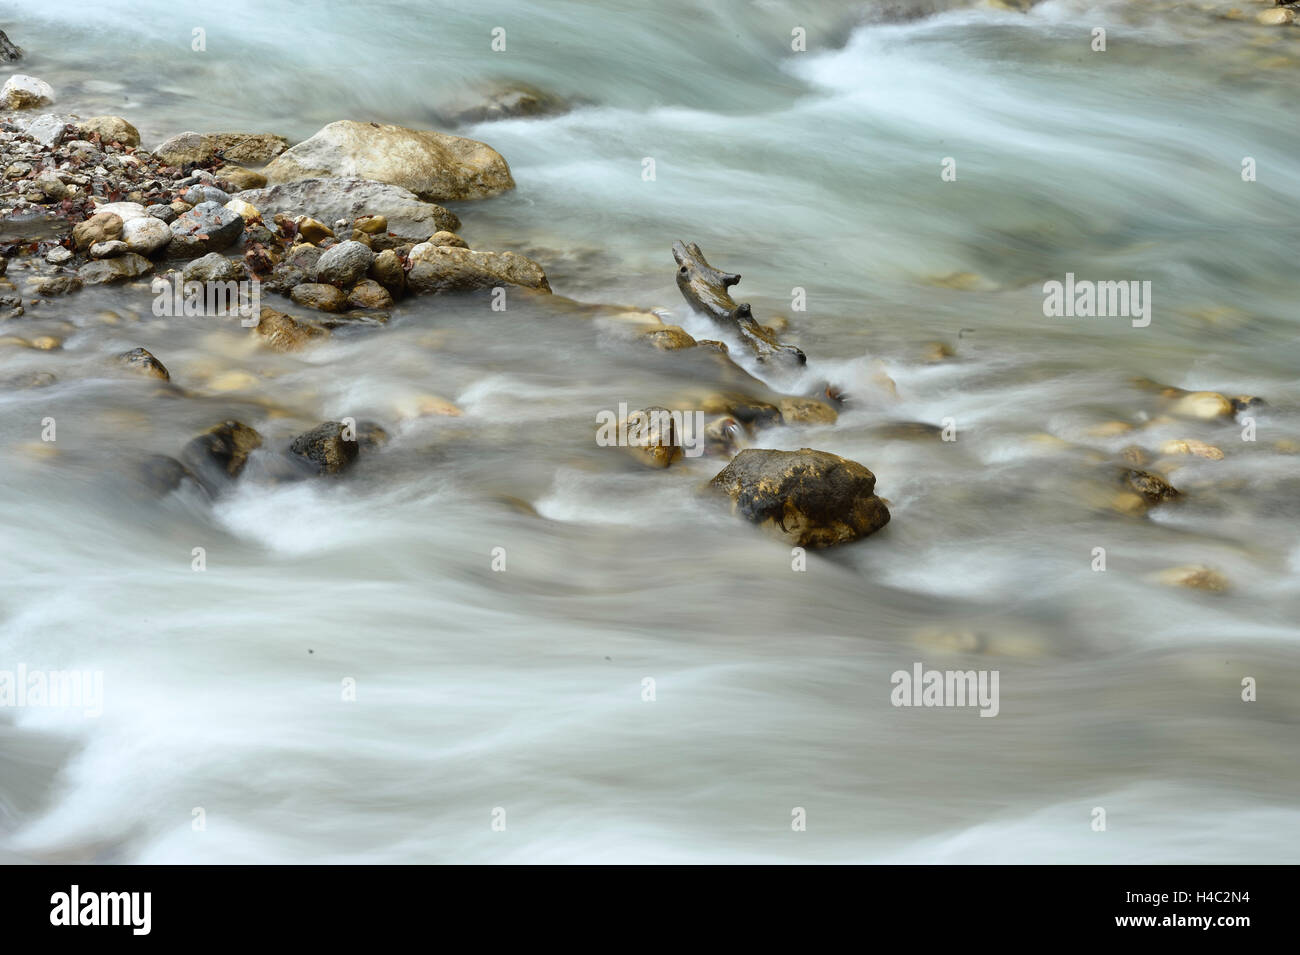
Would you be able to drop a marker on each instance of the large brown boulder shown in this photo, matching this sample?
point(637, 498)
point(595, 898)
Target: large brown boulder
point(811, 498)
point(435, 166)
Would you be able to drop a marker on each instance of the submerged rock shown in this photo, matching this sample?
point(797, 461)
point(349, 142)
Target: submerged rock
point(722, 437)
point(811, 498)
point(386, 269)
point(404, 213)
point(1204, 405)
point(1276, 17)
point(652, 437)
point(329, 446)
point(1194, 577)
point(669, 338)
point(221, 451)
point(163, 474)
point(57, 285)
point(750, 411)
point(435, 166)
point(1152, 488)
point(797, 410)
point(284, 332)
point(142, 360)
point(1191, 446)
point(371, 434)
point(501, 99)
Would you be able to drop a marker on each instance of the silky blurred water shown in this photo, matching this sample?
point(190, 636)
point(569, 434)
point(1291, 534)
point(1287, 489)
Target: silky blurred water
point(523, 689)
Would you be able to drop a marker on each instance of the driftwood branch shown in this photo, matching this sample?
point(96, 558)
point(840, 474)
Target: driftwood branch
point(705, 290)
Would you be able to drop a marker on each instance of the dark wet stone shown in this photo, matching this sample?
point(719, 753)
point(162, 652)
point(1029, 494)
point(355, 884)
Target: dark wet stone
point(811, 498)
point(221, 452)
point(326, 447)
point(143, 361)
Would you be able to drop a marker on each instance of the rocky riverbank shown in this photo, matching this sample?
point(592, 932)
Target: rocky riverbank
point(341, 227)
point(330, 235)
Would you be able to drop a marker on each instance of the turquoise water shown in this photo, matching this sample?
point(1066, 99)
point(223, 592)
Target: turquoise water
point(818, 170)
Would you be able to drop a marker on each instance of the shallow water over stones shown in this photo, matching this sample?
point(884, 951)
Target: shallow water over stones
point(522, 687)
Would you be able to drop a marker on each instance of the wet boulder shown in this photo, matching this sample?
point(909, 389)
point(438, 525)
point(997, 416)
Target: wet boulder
point(9, 50)
point(57, 285)
point(285, 333)
point(800, 410)
point(1152, 488)
point(142, 361)
point(162, 474)
point(220, 453)
point(652, 437)
point(25, 92)
point(810, 498)
point(330, 447)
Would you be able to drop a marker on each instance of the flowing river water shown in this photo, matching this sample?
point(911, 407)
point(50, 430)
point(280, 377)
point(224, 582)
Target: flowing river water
point(478, 690)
